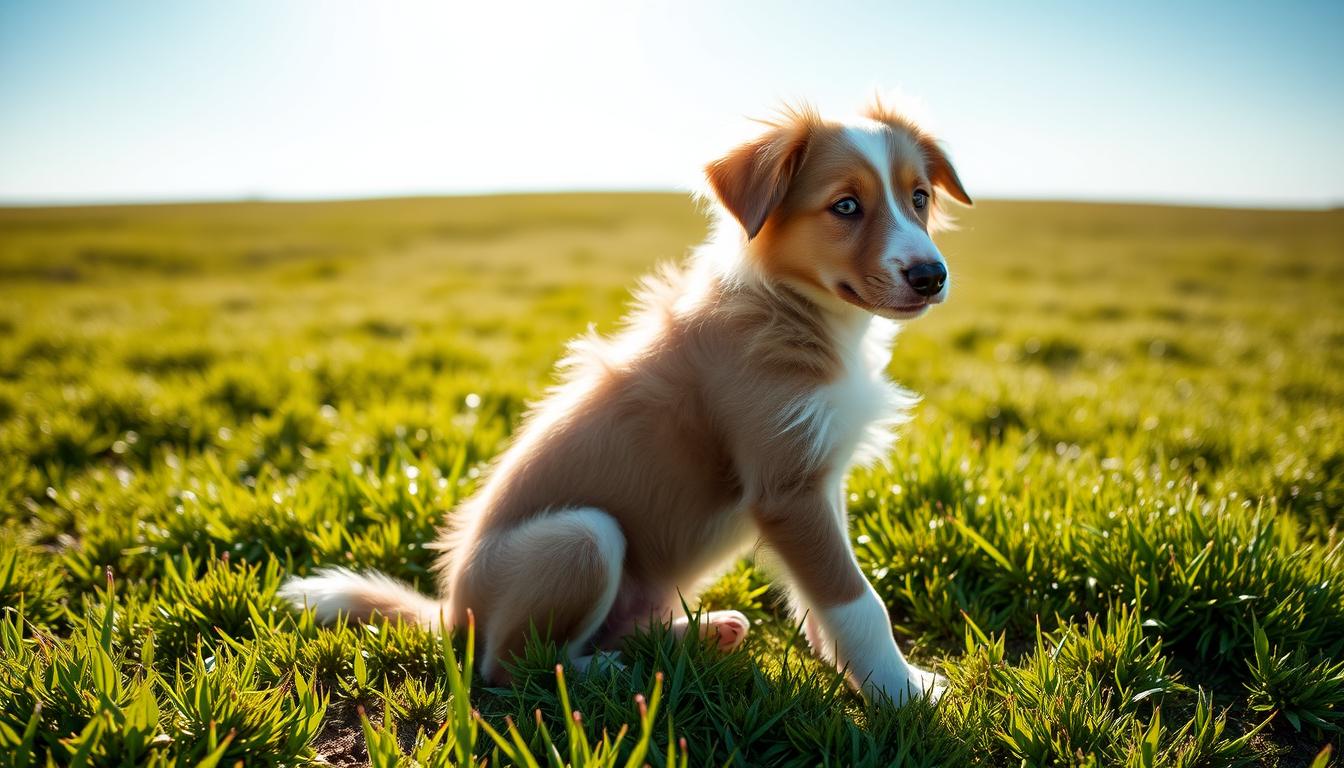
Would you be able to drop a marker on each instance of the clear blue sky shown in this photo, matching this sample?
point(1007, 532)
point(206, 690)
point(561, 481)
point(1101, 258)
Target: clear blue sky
point(1223, 102)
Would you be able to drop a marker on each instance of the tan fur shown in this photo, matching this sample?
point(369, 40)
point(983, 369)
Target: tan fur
point(752, 179)
point(669, 442)
point(717, 419)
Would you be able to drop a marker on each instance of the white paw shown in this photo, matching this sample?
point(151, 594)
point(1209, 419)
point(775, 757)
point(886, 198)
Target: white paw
point(726, 628)
point(930, 683)
point(729, 628)
point(917, 683)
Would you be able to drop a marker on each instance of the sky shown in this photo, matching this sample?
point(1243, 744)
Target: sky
point(1195, 102)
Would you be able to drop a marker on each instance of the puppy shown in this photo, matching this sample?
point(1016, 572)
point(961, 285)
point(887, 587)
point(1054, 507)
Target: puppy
point(725, 415)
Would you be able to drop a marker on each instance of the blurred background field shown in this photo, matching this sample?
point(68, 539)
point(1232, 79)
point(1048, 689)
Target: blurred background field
point(1204, 342)
point(1130, 415)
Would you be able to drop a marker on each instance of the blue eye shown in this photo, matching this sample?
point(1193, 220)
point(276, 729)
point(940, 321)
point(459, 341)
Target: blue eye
point(921, 198)
point(846, 207)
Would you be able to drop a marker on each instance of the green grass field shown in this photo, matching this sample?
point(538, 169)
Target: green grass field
point(1113, 523)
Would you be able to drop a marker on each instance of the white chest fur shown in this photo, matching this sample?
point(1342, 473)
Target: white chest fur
point(851, 420)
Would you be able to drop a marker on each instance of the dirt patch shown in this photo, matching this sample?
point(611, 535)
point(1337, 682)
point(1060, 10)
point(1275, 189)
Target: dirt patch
point(341, 741)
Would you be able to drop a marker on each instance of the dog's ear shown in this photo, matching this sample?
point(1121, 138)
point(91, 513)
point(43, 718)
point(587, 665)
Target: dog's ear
point(941, 172)
point(753, 178)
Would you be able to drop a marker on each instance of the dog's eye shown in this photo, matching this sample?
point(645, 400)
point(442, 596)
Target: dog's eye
point(846, 207)
point(921, 198)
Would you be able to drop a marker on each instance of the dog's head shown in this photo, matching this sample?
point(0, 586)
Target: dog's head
point(844, 210)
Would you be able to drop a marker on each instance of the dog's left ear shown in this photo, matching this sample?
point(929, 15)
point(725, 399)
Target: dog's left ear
point(752, 179)
point(941, 172)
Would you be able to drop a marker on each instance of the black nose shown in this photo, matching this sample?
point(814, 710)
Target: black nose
point(927, 279)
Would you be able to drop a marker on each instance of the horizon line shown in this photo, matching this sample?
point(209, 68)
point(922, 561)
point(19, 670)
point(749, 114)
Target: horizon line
point(7, 203)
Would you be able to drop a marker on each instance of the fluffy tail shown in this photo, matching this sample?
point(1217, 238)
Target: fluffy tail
point(333, 592)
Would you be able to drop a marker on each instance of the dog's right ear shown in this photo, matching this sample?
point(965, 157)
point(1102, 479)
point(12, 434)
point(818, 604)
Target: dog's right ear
point(752, 179)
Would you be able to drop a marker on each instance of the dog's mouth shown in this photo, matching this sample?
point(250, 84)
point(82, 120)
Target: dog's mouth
point(892, 311)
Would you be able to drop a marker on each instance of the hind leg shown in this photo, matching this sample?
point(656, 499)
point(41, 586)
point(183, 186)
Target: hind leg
point(558, 572)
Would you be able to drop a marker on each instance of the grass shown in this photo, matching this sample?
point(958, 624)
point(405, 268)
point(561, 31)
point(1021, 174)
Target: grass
point(1113, 523)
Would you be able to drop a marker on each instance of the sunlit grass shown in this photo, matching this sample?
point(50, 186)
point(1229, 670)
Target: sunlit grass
point(1113, 522)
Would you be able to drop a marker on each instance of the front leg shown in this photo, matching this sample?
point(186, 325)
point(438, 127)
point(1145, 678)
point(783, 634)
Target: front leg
point(807, 531)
